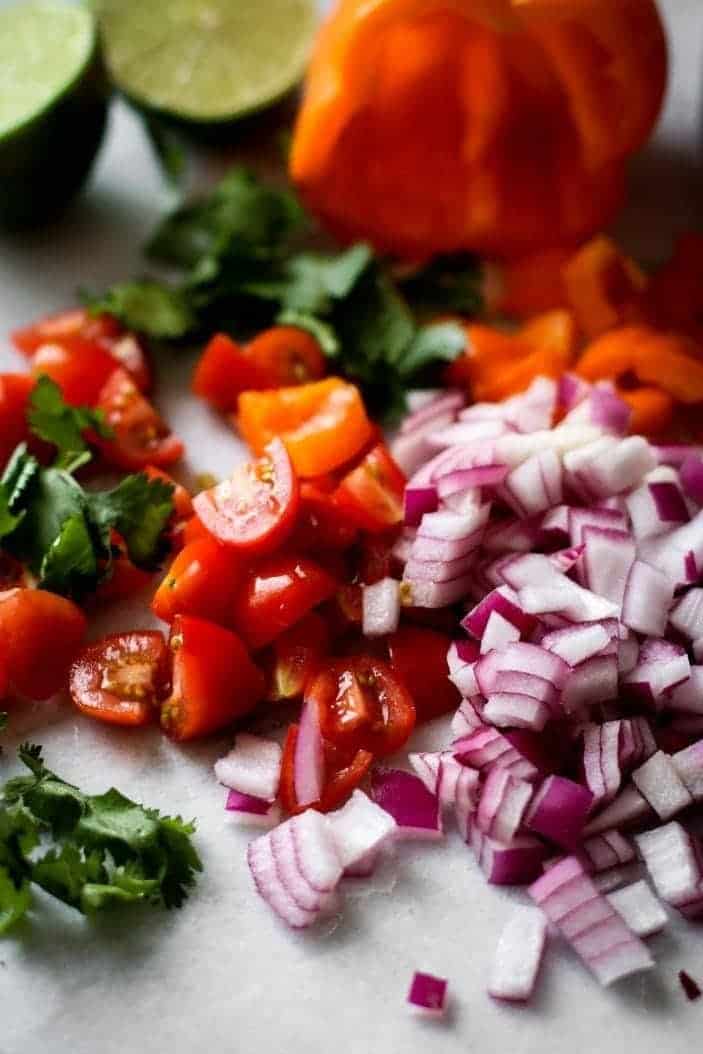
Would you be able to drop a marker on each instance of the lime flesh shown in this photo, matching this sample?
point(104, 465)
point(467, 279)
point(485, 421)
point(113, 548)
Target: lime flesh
point(207, 60)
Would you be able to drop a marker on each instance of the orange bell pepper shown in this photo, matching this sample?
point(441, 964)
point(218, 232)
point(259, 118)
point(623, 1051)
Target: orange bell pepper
point(323, 424)
point(492, 125)
point(668, 361)
point(603, 287)
point(652, 410)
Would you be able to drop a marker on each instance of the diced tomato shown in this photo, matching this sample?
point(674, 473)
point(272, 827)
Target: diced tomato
point(42, 633)
point(213, 680)
point(322, 524)
point(371, 495)
point(323, 424)
point(254, 510)
point(363, 705)
point(419, 658)
point(194, 529)
point(141, 437)
point(201, 581)
point(276, 595)
point(287, 355)
point(15, 389)
point(182, 501)
point(129, 353)
point(80, 368)
point(224, 371)
point(126, 578)
point(122, 678)
point(296, 657)
point(67, 324)
point(341, 778)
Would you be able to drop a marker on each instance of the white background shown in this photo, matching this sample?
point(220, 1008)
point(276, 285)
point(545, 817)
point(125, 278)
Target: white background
point(222, 974)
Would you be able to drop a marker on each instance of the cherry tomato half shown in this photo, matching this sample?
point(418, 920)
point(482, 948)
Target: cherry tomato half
point(201, 581)
point(419, 658)
point(224, 371)
point(371, 495)
point(141, 437)
point(276, 595)
point(81, 368)
point(67, 324)
point(296, 657)
point(42, 633)
point(182, 501)
point(214, 680)
point(255, 509)
point(15, 389)
point(341, 777)
point(363, 705)
point(122, 678)
point(287, 355)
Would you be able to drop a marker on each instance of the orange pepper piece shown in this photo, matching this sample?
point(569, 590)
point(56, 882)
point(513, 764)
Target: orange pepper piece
point(652, 410)
point(603, 287)
point(546, 344)
point(672, 362)
point(612, 355)
point(323, 424)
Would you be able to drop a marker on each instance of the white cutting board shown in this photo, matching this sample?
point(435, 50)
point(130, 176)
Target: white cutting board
point(222, 974)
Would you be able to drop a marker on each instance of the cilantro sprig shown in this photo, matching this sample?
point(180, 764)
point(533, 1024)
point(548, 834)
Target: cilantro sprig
point(61, 530)
point(237, 253)
point(90, 851)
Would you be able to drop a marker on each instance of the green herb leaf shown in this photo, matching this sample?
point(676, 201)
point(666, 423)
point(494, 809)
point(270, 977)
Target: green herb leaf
point(323, 332)
point(438, 342)
point(70, 559)
point(147, 306)
point(140, 509)
point(52, 419)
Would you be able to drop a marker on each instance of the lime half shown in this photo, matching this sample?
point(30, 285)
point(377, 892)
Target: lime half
point(52, 107)
point(207, 61)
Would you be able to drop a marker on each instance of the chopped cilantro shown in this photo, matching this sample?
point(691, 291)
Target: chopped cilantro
point(55, 421)
point(139, 509)
point(150, 307)
point(96, 850)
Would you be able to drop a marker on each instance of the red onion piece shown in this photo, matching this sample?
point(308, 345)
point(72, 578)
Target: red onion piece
point(252, 767)
point(460, 479)
point(498, 633)
point(514, 864)
point(659, 782)
point(418, 501)
point(628, 808)
point(380, 608)
point(669, 502)
point(405, 797)
point(360, 829)
point(689, 765)
point(616, 877)
point(518, 683)
point(687, 614)
point(579, 519)
point(646, 599)
point(578, 643)
point(601, 760)
point(255, 812)
point(502, 805)
point(607, 850)
point(661, 666)
point(269, 886)
point(518, 955)
point(692, 477)
point(426, 767)
point(467, 719)
point(504, 601)
point(679, 553)
point(559, 810)
point(428, 995)
point(607, 560)
point(675, 454)
point(426, 594)
point(512, 535)
point(639, 909)
point(488, 747)
point(572, 390)
point(465, 800)
point(511, 710)
point(316, 852)
point(672, 858)
point(443, 402)
point(411, 450)
point(309, 762)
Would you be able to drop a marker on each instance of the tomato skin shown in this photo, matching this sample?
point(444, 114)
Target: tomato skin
point(15, 389)
point(75, 322)
point(297, 654)
point(276, 595)
point(129, 352)
point(224, 371)
point(141, 437)
point(80, 368)
point(322, 524)
point(323, 424)
point(419, 658)
point(42, 633)
point(340, 782)
point(255, 510)
point(371, 495)
point(287, 355)
point(182, 501)
point(122, 678)
point(213, 681)
point(201, 581)
point(194, 529)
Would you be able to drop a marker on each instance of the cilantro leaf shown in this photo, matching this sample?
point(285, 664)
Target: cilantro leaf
point(97, 850)
point(140, 509)
point(323, 332)
point(52, 419)
point(70, 559)
point(147, 306)
point(437, 342)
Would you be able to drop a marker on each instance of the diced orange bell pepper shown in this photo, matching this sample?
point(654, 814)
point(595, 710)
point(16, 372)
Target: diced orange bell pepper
point(323, 424)
point(668, 361)
point(652, 410)
point(603, 287)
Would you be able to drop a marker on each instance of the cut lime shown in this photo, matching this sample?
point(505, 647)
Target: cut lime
point(52, 107)
point(207, 61)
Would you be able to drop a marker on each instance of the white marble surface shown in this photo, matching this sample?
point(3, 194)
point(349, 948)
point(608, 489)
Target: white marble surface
point(221, 974)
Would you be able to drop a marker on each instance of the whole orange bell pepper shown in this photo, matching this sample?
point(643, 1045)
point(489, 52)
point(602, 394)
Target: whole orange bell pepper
point(499, 126)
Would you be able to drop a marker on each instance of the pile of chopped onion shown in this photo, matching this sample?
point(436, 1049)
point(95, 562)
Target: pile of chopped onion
point(571, 555)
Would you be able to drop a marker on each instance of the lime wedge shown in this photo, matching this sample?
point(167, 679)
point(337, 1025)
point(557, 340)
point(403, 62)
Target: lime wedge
point(52, 107)
point(207, 61)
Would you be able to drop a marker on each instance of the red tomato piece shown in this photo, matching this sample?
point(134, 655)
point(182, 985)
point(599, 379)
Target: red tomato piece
point(122, 678)
point(276, 595)
point(201, 581)
point(67, 324)
point(224, 370)
point(254, 510)
point(42, 633)
point(287, 355)
point(214, 680)
point(371, 495)
point(129, 352)
point(182, 501)
point(322, 524)
point(80, 368)
point(15, 389)
point(419, 658)
point(192, 530)
point(341, 778)
point(126, 578)
point(141, 437)
point(296, 657)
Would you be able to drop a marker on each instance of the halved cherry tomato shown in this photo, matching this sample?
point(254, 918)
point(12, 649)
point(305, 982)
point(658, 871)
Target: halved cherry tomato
point(201, 581)
point(363, 705)
point(323, 424)
point(141, 437)
point(213, 681)
point(73, 323)
point(371, 495)
point(276, 595)
point(43, 633)
point(341, 777)
point(419, 658)
point(130, 353)
point(296, 657)
point(322, 524)
point(287, 355)
point(224, 371)
point(254, 510)
point(81, 368)
point(15, 389)
point(193, 529)
point(122, 678)
point(182, 501)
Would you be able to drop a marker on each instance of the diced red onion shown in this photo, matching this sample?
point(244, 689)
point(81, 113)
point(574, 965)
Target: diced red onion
point(488, 747)
point(661, 666)
point(360, 828)
point(514, 864)
point(689, 765)
point(309, 762)
point(467, 719)
point(426, 767)
point(264, 871)
point(578, 643)
point(579, 519)
point(519, 683)
point(659, 782)
point(498, 633)
point(591, 682)
point(511, 536)
point(504, 601)
point(465, 800)
point(572, 390)
point(675, 454)
point(406, 798)
point(628, 808)
point(462, 673)
point(426, 594)
point(502, 805)
point(252, 767)
point(380, 608)
point(679, 553)
point(610, 849)
point(639, 909)
point(511, 710)
point(687, 614)
point(428, 995)
point(427, 407)
point(616, 877)
point(558, 811)
point(418, 501)
point(692, 477)
point(672, 859)
point(411, 450)
point(518, 955)
point(255, 812)
point(687, 697)
point(601, 760)
point(646, 600)
point(607, 560)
